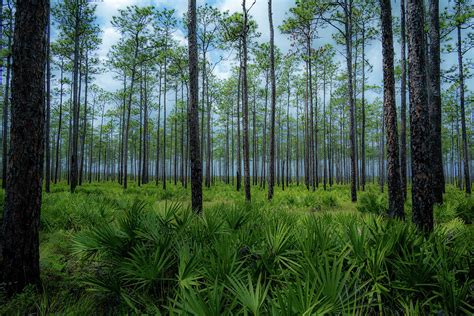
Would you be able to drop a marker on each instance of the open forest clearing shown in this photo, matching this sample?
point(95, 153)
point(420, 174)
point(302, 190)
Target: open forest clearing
point(103, 250)
point(236, 157)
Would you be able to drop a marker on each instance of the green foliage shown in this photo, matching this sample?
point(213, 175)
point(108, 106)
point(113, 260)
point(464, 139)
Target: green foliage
point(105, 252)
point(371, 202)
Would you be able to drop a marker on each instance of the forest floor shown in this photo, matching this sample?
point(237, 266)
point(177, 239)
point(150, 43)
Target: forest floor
point(108, 251)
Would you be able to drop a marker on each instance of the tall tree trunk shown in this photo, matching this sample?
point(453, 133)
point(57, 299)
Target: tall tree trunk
point(47, 145)
point(209, 145)
point(164, 122)
point(435, 100)
point(245, 106)
point(6, 105)
point(325, 170)
point(467, 176)
point(350, 95)
point(288, 139)
point(395, 196)
point(271, 181)
point(422, 199)
point(403, 105)
point(84, 121)
point(264, 136)
point(145, 131)
point(362, 136)
point(158, 122)
point(193, 114)
point(75, 101)
point(19, 246)
point(239, 158)
point(60, 122)
point(127, 121)
point(100, 146)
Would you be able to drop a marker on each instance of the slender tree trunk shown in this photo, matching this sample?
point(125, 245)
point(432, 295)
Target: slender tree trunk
point(264, 135)
point(127, 122)
point(350, 95)
point(245, 106)
point(271, 182)
point(419, 119)
point(403, 105)
point(19, 248)
point(60, 121)
point(465, 147)
point(434, 55)
point(84, 122)
point(362, 136)
point(48, 105)
point(395, 196)
point(193, 111)
point(239, 158)
point(145, 131)
point(209, 145)
point(158, 122)
point(6, 105)
point(76, 102)
point(164, 123)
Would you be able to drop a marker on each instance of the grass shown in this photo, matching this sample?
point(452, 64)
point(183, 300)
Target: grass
point(142, 251)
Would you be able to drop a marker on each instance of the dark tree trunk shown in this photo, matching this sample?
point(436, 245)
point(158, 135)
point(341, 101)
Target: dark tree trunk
point(239, 158)
point(403, 105)
point(164, 123)
point(467, 176)
point(100, 147)
point(193, 111)
point(271, 181)
point(245, 106)
point(158, 121)
point(362, 136)
point(6, 105)
point(435, 101)
point(60, 122)
point(84, 121)
point(420, 127)
point(395, 197)
point(350, 95)
point(19, 248)
point(209, 145)
point(145, 131)
point(47, 171)
point(75, 104)
point(127, 119)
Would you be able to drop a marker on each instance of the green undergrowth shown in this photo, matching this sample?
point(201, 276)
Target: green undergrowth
point(142, 251)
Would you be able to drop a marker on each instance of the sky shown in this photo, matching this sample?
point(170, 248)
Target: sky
point(106, 9)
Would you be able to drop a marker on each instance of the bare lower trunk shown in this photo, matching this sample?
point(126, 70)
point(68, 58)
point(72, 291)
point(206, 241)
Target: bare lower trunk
point(19, 250)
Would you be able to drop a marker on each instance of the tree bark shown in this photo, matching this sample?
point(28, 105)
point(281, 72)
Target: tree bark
point(271, 181)
point(48, 105)
point(435, 100)
point(467, 176)
point(19, 248)
point(193, 111)
point(395, 197)
point(420, 126)
point(403, 102)
point(6, 105)
point(350, 95)
point(245, 106)
point(60, 121)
